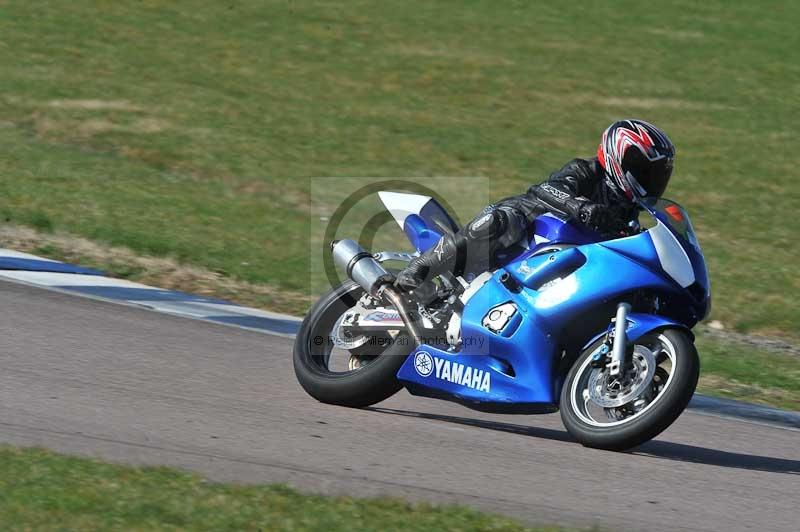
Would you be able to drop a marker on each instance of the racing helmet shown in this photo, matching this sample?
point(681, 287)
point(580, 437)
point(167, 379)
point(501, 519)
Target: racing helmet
point(637, 158)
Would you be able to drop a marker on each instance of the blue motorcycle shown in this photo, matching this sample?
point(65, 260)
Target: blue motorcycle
point(599, 329)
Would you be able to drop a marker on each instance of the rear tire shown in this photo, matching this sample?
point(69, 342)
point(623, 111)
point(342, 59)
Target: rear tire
point(370, 384)
point(665, 407)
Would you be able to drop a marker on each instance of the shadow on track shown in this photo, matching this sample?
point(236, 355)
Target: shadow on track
point(652, 449)
point(703, 455)
point(536, 432)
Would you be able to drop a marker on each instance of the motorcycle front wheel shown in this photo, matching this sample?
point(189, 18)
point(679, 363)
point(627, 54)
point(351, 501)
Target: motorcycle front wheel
point(356, 373)
point(617, 413)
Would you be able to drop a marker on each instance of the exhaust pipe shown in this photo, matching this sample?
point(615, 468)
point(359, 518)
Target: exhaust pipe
point(360, 266)
point(390, 294)
point(368, 273)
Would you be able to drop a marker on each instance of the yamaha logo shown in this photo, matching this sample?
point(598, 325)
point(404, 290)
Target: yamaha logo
point(446, 370)
point(423, 363)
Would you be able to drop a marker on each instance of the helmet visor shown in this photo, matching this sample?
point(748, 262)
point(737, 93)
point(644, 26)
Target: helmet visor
point(648, 176)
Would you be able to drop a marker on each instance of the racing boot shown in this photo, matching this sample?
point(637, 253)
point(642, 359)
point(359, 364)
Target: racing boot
point(447, 255)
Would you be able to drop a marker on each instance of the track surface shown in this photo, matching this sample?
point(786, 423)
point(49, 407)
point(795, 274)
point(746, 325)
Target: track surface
point(97, 379)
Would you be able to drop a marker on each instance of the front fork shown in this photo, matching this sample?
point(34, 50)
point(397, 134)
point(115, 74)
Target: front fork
point(617, 343)
point(620, 339)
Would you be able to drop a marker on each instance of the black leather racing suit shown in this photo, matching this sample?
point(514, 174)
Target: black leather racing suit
point(579, 190)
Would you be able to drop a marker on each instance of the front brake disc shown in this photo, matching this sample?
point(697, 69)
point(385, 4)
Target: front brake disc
point(609, 392)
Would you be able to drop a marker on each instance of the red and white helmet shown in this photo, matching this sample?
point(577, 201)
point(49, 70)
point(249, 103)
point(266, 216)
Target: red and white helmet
point(637, 158)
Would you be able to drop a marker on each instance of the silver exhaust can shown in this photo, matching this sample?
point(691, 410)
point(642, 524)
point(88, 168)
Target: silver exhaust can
point(359, 265)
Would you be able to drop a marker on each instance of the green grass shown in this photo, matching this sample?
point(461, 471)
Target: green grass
point(40, 490)
point(748, 374)
point(189, 128)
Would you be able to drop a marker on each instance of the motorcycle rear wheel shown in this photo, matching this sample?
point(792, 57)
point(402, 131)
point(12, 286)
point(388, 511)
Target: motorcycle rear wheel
point(648, 412)
point(369, 383)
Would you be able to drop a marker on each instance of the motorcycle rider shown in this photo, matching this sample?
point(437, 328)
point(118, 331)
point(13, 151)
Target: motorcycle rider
point(634, 160)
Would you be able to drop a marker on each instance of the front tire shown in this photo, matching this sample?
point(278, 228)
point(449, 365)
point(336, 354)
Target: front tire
point(648, 412)
point(366, 385)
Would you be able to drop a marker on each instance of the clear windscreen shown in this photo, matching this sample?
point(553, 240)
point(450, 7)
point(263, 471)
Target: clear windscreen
point(673, 215)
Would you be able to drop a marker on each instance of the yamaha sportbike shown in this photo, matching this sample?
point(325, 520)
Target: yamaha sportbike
point(598, 329)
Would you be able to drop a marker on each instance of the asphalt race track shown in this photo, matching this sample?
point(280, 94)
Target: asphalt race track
point(97, 379)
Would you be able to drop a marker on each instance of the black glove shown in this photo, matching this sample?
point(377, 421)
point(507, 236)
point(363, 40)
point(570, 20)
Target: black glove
point(595, 215)
point(623, 220)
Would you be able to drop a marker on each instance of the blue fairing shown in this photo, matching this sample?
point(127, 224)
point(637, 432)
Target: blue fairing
point(418, 232)
point(551, 229)
point(516, 369)
point(427, 227)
